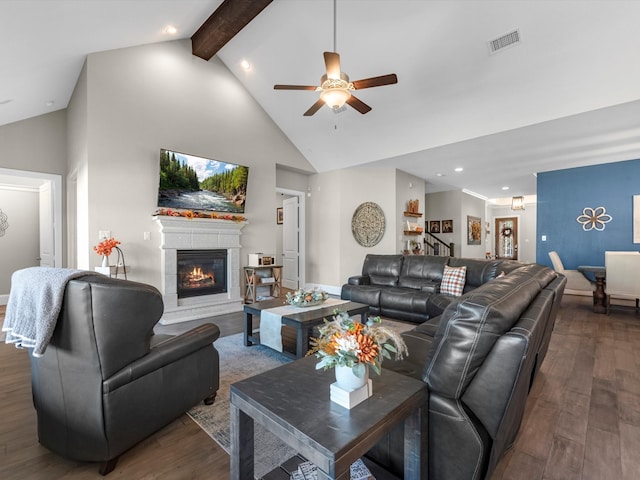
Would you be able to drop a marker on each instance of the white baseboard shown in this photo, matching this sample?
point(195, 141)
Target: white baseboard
point(4, 299)
point(330, 289)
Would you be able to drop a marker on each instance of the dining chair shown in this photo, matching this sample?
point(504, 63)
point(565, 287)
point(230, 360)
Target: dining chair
point(623, 276)
point(577, 282)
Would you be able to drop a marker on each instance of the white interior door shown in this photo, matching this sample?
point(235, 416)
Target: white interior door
point(47, 251)
point(291, 244)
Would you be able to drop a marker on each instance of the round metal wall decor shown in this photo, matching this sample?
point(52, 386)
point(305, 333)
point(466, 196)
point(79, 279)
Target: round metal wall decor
point(367, 224)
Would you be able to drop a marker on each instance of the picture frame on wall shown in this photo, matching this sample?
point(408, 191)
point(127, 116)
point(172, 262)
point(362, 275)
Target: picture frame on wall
point(434, 226)
point(279, 216)
point(474, 230)
point(447, 226)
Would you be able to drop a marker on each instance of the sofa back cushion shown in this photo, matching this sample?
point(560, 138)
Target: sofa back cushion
point(421, 270)
point(471, 325)
point(383, 270)
point(479, 272)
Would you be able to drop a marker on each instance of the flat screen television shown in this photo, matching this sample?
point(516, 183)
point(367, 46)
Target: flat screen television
point(196, 183)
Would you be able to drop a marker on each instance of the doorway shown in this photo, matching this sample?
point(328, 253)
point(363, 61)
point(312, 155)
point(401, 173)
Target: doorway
point(506, 238)
point(293, 239)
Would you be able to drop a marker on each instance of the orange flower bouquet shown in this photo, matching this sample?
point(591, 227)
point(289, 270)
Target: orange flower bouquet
point(346, 343)
point(106, 246)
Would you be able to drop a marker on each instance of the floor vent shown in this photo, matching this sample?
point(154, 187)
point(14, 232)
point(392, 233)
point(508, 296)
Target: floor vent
point(507, 40)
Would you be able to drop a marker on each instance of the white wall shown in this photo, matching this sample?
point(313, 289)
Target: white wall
point(36, 144)
point(20, 244)
point(334, 255)
point(408, 187)
point(142, 99)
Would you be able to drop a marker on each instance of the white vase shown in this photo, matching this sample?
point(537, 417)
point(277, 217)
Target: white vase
point(105, 261)
point(347, 380)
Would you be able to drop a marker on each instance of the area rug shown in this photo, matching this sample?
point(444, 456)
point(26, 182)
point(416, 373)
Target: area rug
point(238, 362)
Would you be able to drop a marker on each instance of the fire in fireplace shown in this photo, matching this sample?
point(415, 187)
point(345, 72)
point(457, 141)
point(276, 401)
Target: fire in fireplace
point(201, 272)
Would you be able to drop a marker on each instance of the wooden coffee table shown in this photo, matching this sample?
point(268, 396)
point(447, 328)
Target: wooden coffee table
point(303, 322)
point(293, 402)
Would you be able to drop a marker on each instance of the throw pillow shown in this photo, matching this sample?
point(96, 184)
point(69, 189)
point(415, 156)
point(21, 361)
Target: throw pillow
point(453, 280)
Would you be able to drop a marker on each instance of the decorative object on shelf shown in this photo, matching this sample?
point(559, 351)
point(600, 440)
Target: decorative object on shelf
point(434, 226)
point(416, 248)
point(517, 203)
point(306, 298)
point(344, 342)
point(279, 216)
point(413, 228)
point(447, 226)
point(594, 218)
point(4, 225)
point(413, 206)
point(368, 224)
point(190, 214)
point(474, 230)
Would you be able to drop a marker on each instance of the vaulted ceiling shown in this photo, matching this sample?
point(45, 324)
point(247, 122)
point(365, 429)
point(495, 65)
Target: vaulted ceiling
point(567, 95)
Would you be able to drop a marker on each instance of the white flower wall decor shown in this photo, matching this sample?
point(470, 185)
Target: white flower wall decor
point(594, 218)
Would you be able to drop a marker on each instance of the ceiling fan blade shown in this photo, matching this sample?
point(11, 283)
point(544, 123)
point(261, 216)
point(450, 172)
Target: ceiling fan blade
point(294, 87)
point(314, 108)
point(332, 62)
point(375, 81)
point(358, 104)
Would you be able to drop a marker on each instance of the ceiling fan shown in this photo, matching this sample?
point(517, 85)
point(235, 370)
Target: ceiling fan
point(335, 88)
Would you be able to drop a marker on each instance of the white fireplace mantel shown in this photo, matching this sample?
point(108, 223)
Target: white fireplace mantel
point(179, 233)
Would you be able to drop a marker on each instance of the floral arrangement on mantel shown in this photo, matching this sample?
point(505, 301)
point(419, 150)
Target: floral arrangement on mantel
point(346, 343)
point(306, 298)
point(190, 214)
point(106, 246)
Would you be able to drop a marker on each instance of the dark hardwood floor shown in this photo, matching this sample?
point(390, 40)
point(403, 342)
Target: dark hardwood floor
point(582, 419)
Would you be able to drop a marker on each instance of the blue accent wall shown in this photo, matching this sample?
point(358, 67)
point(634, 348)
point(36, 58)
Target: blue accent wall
point(563, 194)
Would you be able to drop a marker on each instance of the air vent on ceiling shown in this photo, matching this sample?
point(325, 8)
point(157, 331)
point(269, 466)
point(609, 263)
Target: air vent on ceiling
point(507, 40)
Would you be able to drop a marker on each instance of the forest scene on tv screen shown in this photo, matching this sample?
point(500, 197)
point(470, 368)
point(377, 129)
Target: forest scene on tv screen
point(197, 183)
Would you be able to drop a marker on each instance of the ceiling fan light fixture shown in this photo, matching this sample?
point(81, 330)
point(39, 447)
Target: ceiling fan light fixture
point(335, 98)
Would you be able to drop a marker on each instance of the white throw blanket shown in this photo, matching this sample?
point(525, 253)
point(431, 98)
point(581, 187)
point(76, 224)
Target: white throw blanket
point(271, 321)
point(34, 303)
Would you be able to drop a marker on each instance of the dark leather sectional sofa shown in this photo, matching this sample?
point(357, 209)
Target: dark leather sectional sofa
point(479, 353)
point(408, 287)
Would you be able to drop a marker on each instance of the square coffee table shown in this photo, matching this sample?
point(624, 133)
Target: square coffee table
point(293, 402)
point(302, 321)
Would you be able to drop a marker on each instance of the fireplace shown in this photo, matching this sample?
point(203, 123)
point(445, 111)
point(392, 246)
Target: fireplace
point(180, 234)
point(201, 272)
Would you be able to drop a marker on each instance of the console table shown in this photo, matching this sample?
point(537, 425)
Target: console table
point(254, 279)
point(293, 402)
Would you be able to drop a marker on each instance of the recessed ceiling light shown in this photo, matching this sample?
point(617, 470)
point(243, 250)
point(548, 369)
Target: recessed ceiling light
point(439, 174)
point(459, 169)
point(4, 102)
point(505, 188)
point(246, 66)
point(50, 103)
point(171, 30)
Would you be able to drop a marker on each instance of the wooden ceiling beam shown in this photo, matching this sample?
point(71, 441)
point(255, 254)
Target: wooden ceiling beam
point(223, 24)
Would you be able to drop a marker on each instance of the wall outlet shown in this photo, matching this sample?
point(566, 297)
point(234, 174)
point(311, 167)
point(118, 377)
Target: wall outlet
point(543, 238)
point(102, 234)
point(146, 235)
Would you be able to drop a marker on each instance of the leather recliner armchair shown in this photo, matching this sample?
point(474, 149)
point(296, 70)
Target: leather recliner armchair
point(106, 382)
